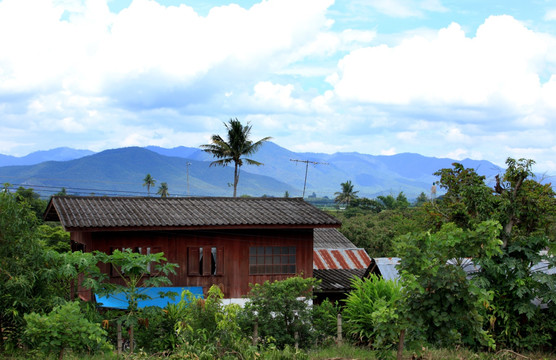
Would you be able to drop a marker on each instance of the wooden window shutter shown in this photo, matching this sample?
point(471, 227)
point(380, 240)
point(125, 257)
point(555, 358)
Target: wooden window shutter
point(193, 261)
point(206, 260)
point(220, 261)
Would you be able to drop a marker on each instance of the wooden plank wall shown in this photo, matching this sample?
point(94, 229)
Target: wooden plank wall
point(233, 244)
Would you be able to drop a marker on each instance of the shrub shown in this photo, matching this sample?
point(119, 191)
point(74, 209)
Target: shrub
point(371, 314)
point(64, 328)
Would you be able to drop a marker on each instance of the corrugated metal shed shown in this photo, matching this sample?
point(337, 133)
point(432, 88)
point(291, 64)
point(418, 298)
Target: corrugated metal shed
point(386, 267)
point(340, 259)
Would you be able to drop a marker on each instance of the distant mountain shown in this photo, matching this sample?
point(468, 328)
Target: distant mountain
point(37, 157)
point(120, 171)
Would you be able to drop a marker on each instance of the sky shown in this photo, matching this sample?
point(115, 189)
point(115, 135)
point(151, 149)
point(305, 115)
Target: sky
point(444, 78)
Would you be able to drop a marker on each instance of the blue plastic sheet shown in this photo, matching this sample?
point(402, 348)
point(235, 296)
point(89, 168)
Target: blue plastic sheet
point(118, 301)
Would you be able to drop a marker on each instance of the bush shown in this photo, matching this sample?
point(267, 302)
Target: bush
point(371, 314)
point(64, 328)
point(282, 309)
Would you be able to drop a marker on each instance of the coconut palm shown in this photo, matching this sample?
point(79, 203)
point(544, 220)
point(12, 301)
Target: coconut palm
point(163, 190)
point(149, 181)
point(235, 148)
point(347, 194)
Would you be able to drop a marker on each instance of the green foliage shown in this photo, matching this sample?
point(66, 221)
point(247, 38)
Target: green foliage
point(207, 329)
point(149, 182)
point(440, 302)
point(281, 309)
point(234, 150)
point(347, 195)
point(64, 328)
point(23, 285)
point(526, 210)
point(325, 320)
point(375, 232)
point(137, 273)
point(32, 199)
point(163, 190)
point(371, 313)
point(55, 237)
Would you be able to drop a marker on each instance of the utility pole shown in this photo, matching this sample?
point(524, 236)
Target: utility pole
point(307, 162)
point(187, 167)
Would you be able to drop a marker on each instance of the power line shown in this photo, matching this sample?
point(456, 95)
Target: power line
point(307, 162)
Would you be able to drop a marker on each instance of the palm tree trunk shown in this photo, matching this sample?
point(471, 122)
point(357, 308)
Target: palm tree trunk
point(236, 179)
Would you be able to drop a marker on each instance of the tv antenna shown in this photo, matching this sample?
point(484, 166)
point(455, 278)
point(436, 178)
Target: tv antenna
point(307, 162)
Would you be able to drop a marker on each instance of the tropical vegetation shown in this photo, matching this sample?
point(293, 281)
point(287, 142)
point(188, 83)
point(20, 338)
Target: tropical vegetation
point(235, 148)
point(473, 276)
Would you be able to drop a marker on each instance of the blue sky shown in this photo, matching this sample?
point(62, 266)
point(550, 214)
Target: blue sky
point(444, 78)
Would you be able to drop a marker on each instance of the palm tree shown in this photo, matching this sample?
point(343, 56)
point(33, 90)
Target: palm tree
point(347, 194)
point(149, 181)
point(235, 148)
point(163, 190)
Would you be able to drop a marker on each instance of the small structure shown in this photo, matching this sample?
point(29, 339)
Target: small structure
point(336, 261)
point(230, 242)
point(384, 267)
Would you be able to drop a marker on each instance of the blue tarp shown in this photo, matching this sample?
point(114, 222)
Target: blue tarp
point(117, 301)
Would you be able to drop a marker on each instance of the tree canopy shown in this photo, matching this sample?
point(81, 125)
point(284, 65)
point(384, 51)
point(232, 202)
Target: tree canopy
point(235, 148)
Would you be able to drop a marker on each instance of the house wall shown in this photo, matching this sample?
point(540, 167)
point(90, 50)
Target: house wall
point(232, 274)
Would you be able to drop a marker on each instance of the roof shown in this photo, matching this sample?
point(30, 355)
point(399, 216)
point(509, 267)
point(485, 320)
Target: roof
point(386, 267)
point(336, 279)
point(340, 259)
point(327, 238)
point(122, 213)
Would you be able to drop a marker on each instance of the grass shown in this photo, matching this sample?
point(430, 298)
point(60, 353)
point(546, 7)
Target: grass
point(345, 352)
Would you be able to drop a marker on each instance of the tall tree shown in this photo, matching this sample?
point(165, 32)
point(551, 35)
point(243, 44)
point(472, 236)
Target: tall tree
point(149, 181)
point(347, 195)
point(163, 190)
point(234, 150)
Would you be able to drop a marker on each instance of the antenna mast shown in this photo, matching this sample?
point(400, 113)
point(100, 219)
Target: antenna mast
point(307, 162)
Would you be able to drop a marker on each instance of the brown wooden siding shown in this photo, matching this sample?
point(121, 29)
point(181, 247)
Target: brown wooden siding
point(232, 247)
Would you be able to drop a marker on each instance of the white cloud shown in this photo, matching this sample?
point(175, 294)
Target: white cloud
point(498, 67)
point(407, 8)
point(550, 15)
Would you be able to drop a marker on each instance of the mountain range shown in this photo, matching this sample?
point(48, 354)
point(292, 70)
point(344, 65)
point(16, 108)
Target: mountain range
point(187, 171)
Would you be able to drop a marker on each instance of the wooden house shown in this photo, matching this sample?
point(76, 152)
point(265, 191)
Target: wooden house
point(231, 242)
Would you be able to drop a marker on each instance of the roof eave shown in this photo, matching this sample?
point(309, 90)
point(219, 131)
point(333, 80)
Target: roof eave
point(198, 227)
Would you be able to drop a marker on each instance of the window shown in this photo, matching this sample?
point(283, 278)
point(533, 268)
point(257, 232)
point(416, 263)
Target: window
point(272, 260)
point(205, 261)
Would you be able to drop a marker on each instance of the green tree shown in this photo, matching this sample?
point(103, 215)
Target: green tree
point(137, 273)
point(441, 305)
point(347, 195)
point(526, 210)
point(31, 198)
point(421, 199)
point(163, 190)
point(149, 182)
point(234, 150)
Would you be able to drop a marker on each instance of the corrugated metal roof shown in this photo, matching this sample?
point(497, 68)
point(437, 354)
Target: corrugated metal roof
point(333, 280)
point(387, 267)
point(340, 259)
point(88, 212)
point(327, 238)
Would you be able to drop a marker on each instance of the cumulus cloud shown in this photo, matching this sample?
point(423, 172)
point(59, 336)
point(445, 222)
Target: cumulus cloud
point(500, 65)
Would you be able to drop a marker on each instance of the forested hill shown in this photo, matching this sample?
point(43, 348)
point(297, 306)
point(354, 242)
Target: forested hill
point(121, 171)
